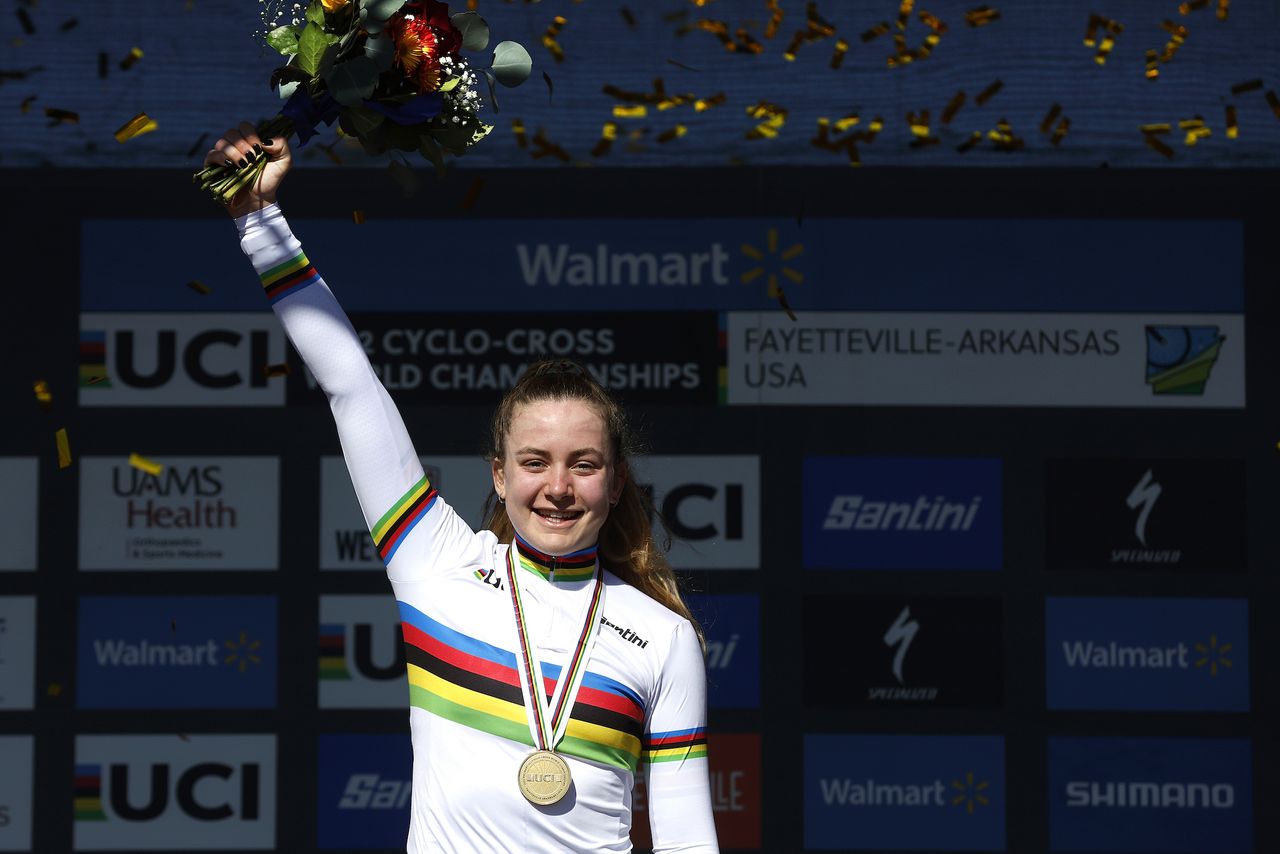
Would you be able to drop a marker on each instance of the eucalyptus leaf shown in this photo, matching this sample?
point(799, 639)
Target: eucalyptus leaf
point(361, 121)
point(475, 32)
point(315, 13)
point(381, 50)
point(311, 48)
point(352, 81)
point(284, 40)
point(493, 93)
point(511, 63)
point(379, 12)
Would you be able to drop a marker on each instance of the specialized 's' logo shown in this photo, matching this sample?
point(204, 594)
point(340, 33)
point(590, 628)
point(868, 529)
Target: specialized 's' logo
point(1213, 655)
point(772, 267)
point(1179, 358)
point(970, 793)
point(1143, 498)
point(900, 634)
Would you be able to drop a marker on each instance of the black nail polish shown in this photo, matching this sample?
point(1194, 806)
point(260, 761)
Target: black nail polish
point(228, 163)
point(257, 149)
point(243, 163)
point(268, 142)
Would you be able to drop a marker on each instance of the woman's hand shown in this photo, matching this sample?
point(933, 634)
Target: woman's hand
point(241, 146)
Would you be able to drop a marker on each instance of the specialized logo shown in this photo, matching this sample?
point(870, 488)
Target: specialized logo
point(154, 359)
point(771, 267)
point(1129, 653)
point(1150, 794)
point(900, 635)
point(177, 652)
point(1179, 358)
point(361, 654)
point(166, 792)
point(364, 791)
point(902, 513)
point(904, 792)
point(1142, 499)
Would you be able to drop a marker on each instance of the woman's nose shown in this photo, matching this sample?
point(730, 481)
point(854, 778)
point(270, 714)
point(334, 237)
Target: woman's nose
point(559, 483)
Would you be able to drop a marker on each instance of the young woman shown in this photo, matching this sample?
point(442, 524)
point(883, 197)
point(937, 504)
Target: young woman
point(548, 656)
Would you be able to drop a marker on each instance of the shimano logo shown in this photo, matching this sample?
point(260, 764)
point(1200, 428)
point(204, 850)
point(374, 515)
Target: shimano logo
point(1138, 795)
point(856, 512)
point(626, 634)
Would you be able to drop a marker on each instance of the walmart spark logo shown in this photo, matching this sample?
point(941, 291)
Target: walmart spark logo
point(242, 653)
point(1213, 655)
point(970, 793)
point(1179, 358)
point(769, 265)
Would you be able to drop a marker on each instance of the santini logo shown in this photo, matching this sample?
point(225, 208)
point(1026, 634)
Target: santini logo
point(626, 634)
point(967, 793)
point(1143, 499)
point(1089, 793)
point(1113, 656)
point(854, 512)
point(374, 792)
point(604, 267)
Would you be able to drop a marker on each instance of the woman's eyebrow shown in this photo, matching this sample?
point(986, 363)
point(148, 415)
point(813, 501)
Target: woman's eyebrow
point(580, 452)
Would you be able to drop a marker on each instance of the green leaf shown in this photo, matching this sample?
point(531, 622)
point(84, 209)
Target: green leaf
point(361, 121)
point(352, 81)
point(311, 48)
point(284, 40)
point(511, 64)
point(315, 13)
point(453, 138)
point(379, 12)
point(475, 32)
point(450, 84)
point(381, 50)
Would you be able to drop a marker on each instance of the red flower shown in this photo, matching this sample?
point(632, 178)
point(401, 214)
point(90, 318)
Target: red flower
point(436, 15)
point(423, 33)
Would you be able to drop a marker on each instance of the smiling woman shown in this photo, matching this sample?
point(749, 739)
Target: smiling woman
point(529, 723)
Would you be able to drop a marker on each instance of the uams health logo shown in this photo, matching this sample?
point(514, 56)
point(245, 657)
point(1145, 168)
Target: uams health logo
point(179, 359)
point(1179, 358)
point(137, 792)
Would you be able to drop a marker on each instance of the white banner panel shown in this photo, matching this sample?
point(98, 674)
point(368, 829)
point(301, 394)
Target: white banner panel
point(19, 501)
point(16, 784)
point(361, 653)
point(180, 359)
point(199, 513)
point(17, 652)
point(180, 792)
point(1004, 359)
point(345, 542)
point(711, 504)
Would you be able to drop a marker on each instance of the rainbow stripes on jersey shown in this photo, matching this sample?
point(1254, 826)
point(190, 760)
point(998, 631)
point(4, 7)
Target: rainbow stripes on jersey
point(288, 278)
point(396, 523)
point(477, 685)
point(575, 566)
point(675, 745)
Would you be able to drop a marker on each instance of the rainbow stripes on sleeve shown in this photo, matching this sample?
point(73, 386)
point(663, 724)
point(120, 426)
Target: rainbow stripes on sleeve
point(675, 745)
point(288, 278)
point(396, 523)
point(477, 685)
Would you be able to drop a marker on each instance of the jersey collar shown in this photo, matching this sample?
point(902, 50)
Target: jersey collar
point(575, 566)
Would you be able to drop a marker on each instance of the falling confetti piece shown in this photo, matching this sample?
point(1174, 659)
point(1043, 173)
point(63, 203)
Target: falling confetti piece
point(1151, 134)
point(43, 396)
point(136, 126)
point(131, 59)
point(1063, 125)
point(280, 370)
point(774, 118)
point(1152, 71)
point(66, 117)
point(199, 287)
point(837, 58)
point(143, 464)
point(775, 18)
point(199, 144)
point(974, 139)
point(628, 17)
point(608, 134)
point(1274, 102)
point(25, 106)
point(544, 147)
point(639, 111)
point(1247, 86)
point(875, 32)
point(473, 193)
point(517, 127)
point(64, 448)
point(69, 24)
point(981, 16)
point(988, 93)
point(357, 216)
point(1223, 8)
point(674, 133)
point(54, 689)
point(549, 38)
point(1003, 138)
point(1233, 129)
point(1191, 5)
point(28, 26)
point(1195, 128)
point(550, 86)
point(953, 106)
point(1177, 36)
point(1110, 28)
point(815, 29)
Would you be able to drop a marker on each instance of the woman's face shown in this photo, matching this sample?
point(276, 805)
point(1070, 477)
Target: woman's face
point(557, 475)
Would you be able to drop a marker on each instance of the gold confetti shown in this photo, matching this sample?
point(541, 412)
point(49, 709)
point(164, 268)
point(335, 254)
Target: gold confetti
point(25, 106)
point(674, 133)
point(904, 55)
point(1177, 36)
point(280, 370)
point(544, 147)
point(357, 216)
point(981, 16)
point(1061, 130)
point(136, 126)
point(54, 689)
point(1191, 5)
point(1274, 102)
point(1233, 129)
point(707, 103)
point(816, 29)
point(775, 18)
point(876, 31)
point(745, 43)
point(143, 464)
point(62, 116)
point(1153, 61)
point(988, 93)
point(848, 143)
point(953, 106)
point(842, 47)
point(628, 17)
point(549, 37)
point(608, 134)
point(24, 18)
point(1151, 134)
point(1110, 28)
point(64, 447)
point(774, 117)
point(43, 396)
point(131, 59)
point(1223, 7)
point(1195, 128)
point(919, 124)
point(199, 287)
point(69, 24)
point(473, 193)
point(1247, 86)
point(639, 111)
point(1003, 138)
point(517, 127)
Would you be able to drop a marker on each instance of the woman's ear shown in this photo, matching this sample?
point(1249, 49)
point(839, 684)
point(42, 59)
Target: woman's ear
point(499, 479)
point(620, 475)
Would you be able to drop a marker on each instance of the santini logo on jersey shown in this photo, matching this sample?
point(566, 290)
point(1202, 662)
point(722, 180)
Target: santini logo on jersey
point(626, 634)
point(1092, 793)
point(855, 512)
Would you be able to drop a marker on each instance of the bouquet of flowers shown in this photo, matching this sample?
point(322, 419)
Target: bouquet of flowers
point(390, 72)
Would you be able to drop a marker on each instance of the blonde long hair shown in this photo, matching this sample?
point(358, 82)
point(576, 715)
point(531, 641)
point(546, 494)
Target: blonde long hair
point(627, 545)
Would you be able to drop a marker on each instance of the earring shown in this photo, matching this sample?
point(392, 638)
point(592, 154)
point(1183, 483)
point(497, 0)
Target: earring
point(502, 499)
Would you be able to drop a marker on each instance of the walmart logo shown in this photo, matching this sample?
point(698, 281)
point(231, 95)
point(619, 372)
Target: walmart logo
point(772, 263)
point(1179, 358)
point(1213, 655)
point(242, 653)
point(970, 793)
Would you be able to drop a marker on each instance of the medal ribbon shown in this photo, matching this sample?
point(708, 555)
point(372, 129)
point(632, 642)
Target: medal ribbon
point(548, 721)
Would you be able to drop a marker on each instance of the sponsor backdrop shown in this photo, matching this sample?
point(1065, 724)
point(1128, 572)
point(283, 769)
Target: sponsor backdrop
point(981, 540)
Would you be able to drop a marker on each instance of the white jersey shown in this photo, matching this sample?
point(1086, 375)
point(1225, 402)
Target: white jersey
point(643, 699)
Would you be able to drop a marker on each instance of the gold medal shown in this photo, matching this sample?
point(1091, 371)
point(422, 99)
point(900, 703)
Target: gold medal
point(544, 778)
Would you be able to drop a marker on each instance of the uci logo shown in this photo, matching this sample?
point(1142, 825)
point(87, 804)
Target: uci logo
point(191, 791)
point(363, 658)
point(701, 511)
